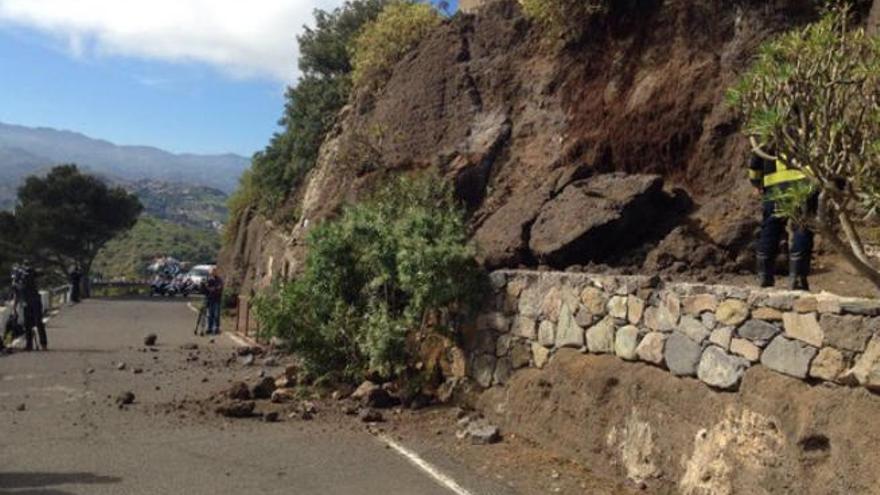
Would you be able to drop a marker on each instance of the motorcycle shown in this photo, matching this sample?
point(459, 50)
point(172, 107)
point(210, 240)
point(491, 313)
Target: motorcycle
point(171, 287)
point(184, 287)
point(162, 287)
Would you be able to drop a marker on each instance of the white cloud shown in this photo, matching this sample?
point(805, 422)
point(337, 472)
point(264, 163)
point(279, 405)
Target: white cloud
point(242, 38)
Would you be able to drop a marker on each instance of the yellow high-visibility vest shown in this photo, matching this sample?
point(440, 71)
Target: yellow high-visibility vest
point(782, 174)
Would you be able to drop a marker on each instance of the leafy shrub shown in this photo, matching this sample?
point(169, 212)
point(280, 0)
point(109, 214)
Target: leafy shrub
point(384, 41)
point(372, 277)
point(562, 19)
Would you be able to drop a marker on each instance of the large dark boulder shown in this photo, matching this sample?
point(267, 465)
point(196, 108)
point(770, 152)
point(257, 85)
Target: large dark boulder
point(502, 238)
point(595, 218)
point(264, 388)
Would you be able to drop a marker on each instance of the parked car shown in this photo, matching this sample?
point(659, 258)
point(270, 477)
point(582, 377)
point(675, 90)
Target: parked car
point(199, 274)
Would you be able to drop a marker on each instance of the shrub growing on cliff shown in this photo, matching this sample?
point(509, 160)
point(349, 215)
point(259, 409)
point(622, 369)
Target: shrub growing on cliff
point(562, 19)
point(373, 276)
point(812, 100)
point(384, 41)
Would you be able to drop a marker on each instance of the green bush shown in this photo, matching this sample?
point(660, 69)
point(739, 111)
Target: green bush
point(562, 19)
point(371, 279)
point(384, 41)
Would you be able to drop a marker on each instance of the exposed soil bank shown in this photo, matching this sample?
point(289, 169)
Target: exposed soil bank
point(674, 435)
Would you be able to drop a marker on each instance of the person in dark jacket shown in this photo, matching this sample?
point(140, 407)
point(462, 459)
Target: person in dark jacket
point(771, 177)
point(214, 298)
point(26, 295)
point(75, 280)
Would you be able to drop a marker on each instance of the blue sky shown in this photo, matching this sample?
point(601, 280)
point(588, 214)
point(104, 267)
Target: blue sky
point(203, 76)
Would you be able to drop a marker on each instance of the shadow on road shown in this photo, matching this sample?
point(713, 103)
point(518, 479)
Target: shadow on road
point(39, 481)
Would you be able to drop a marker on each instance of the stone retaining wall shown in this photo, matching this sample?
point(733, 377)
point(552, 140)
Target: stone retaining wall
point(713, 333)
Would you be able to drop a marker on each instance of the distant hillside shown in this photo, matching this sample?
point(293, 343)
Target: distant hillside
point(15, 165)
point(25, 151)
point(179, 220)
point(129, 254)
point(183, 204)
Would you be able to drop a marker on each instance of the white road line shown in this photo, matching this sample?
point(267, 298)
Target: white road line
point(422, 464)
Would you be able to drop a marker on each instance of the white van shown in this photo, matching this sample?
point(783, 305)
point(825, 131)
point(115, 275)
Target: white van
point(199, 274)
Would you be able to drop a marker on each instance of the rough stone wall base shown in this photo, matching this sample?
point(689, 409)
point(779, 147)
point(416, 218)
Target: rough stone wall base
point(713, 333)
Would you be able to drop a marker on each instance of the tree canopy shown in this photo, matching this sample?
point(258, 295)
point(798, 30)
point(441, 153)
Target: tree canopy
point(64, 218)
point(812, 100)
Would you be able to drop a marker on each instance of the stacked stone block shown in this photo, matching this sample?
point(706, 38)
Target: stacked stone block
point(711, 333)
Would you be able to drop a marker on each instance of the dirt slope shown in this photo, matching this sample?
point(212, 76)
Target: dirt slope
point(674, 435)
point(513, 121)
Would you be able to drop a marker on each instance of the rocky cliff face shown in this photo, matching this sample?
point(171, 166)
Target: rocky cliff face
point(541, 142)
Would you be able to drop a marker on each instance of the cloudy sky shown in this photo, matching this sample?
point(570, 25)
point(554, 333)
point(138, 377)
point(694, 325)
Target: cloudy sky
point(185, 75)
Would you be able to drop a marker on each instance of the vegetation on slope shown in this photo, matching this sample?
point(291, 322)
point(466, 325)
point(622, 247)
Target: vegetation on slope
point(129, 254)
point(384, 41)
point(184, 204)
point(563, 19)
point(373, 278)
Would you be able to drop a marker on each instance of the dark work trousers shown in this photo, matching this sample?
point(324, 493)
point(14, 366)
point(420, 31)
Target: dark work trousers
point(33, 317)
point(74, 289)
point(772, 230)
point(213, 316)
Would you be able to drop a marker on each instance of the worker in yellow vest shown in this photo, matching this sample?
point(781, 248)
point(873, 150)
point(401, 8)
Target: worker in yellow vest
point(769, 177)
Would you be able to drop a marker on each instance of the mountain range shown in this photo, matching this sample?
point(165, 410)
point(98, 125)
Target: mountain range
point(25, 151)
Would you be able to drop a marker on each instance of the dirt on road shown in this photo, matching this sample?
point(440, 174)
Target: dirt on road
point(103, 413)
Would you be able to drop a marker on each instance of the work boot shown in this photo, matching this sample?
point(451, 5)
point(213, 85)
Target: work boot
point(798, 269)
point(764, 269)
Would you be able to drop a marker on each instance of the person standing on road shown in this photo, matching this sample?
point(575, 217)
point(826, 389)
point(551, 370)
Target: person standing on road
point(75, 280)
point(214, 298)
point(26, 296)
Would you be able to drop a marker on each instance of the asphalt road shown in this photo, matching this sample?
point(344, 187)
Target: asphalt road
point(71, 438)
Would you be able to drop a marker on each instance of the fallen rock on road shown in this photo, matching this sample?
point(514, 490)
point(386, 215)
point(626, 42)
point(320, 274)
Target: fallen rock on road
point(264, 388)
point(237, 409)
point(239, 391)
point(479, 431)
point(124, 399)
point(369, 415)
